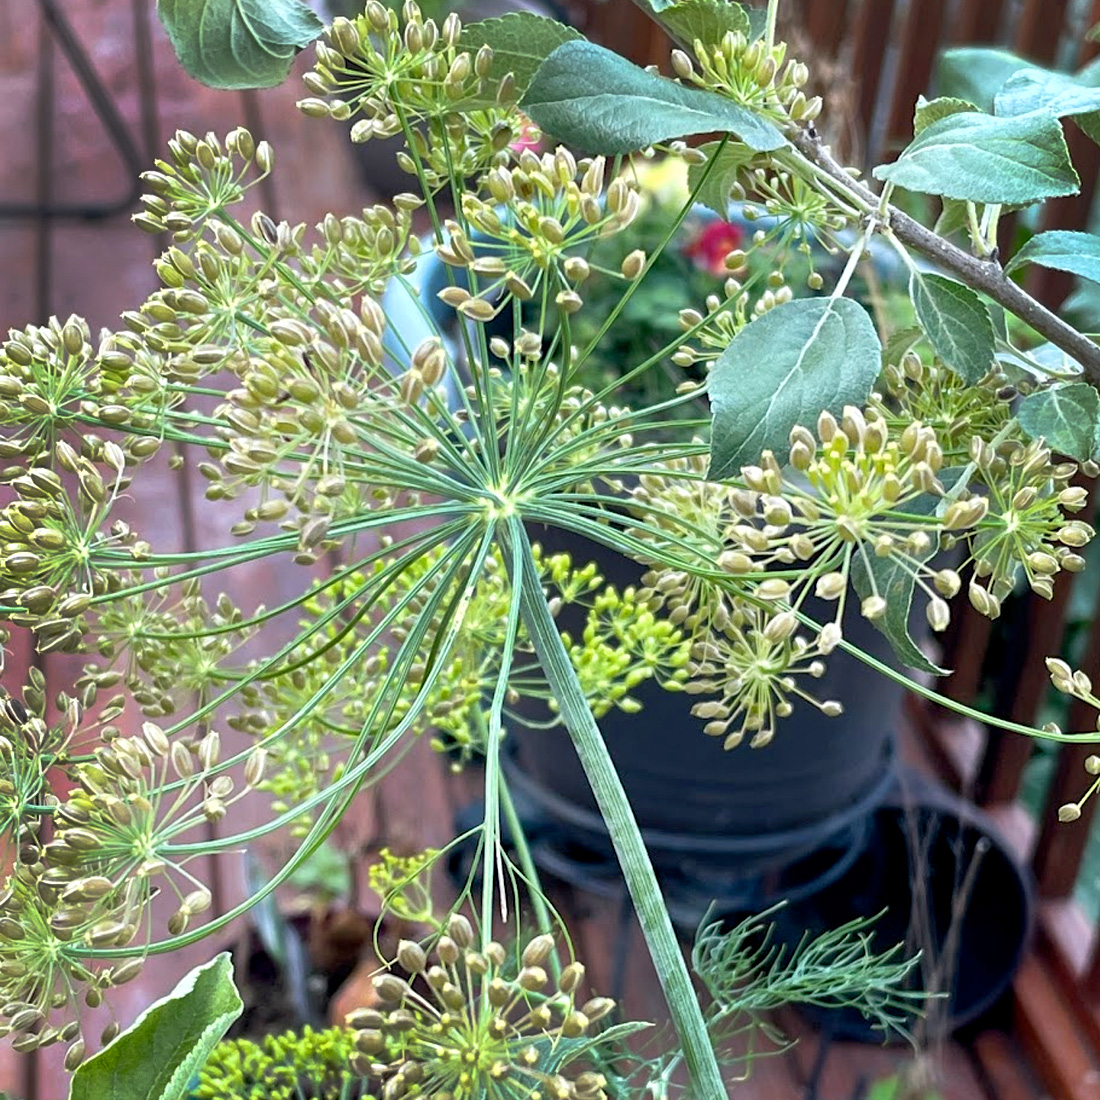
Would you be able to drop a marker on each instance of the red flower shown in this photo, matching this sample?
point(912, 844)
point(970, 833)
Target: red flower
point(712, 244)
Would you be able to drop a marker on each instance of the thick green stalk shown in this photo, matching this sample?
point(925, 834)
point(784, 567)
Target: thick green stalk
point(641, 881)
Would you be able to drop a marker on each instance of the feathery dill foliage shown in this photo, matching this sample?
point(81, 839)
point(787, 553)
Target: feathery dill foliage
point(398, 476)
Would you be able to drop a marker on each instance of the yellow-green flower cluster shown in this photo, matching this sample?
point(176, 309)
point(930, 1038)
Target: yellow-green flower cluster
point(297, 1065)
point(745, 70)
point(471, 1025)
point(526, 236)
point(404, 74)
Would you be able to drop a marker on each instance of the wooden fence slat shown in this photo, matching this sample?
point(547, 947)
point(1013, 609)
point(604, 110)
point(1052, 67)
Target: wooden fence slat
point(1026, 679)
point(977, 21)
point(1000, 1064)
point(1049, 1034)
point(969, 639)
point(825, 24)
point(1040, 29)
point(920, 42)
point(870, 34)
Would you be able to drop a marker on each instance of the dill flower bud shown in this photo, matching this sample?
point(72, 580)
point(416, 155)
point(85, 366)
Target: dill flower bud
point(473, 1029)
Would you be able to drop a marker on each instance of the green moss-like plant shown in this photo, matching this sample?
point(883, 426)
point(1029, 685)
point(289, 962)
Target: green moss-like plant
point(305, 1065)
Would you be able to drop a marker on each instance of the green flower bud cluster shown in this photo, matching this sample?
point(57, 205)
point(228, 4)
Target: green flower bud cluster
point(404, 885)
point(749, 661)
point(30, 749)
point(51, 382)
point(302, 1065)
point(43, 976)
point(933, 394)
point(752, 75)
point(624, 644)
point(469, 1023)
point(203, 177)
point(165, 646)
point(536, 218)
point(1024, 528)
point(51, 544)
point(82, 885)
point(853, 493)
point(397, 71)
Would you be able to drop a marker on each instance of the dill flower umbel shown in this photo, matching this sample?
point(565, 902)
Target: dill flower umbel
point(473, 1026)
point(305, 1065)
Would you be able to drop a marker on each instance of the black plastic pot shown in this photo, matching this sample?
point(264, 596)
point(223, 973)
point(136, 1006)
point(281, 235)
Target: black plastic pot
point(747, 815)
point(947, 885)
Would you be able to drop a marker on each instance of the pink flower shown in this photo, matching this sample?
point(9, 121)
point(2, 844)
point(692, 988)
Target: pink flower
point(530, 136)
point(712, 244)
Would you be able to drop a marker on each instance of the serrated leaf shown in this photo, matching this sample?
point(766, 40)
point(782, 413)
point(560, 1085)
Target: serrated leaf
point(900, 341)
point(521, 41)
point(1058, 94)
point(953, 217)
point(729, 158)
point(238, 43)
point(893, 580)
point(158, 1055)
point(932, 110)
point(1066, 416)
point(708, 20)
point(1063, 250)
point(976, 73)
point(599, 102)
point(984, 158)
point(956, 323)
point(783, 369)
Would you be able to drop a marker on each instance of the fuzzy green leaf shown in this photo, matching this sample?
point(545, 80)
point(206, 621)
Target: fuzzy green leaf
point(982, 158)
point(954, 215)
point(932, 110)
point(729, 160)
point(1066, 416)
point(599, 102)
point(707, 20)
point(783, 369)
point(956, 323)
point(238, 43)
point(976, 73)
point(1063, 250)
point(158, 1055)
point(520, 41)
point(1058, 94)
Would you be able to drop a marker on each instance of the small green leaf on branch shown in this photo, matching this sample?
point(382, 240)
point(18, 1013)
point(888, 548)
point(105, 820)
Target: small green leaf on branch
point(729, 159)
point(708, 20)
point(1063, 250)
point(932, 110)
point(783, 369)
point(976, 73)
point(599, 102)
point(520, 41)
point(983, 158)
point(1058, 94)
point(956, 323)
point(1067, 417)
point(238, 43)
